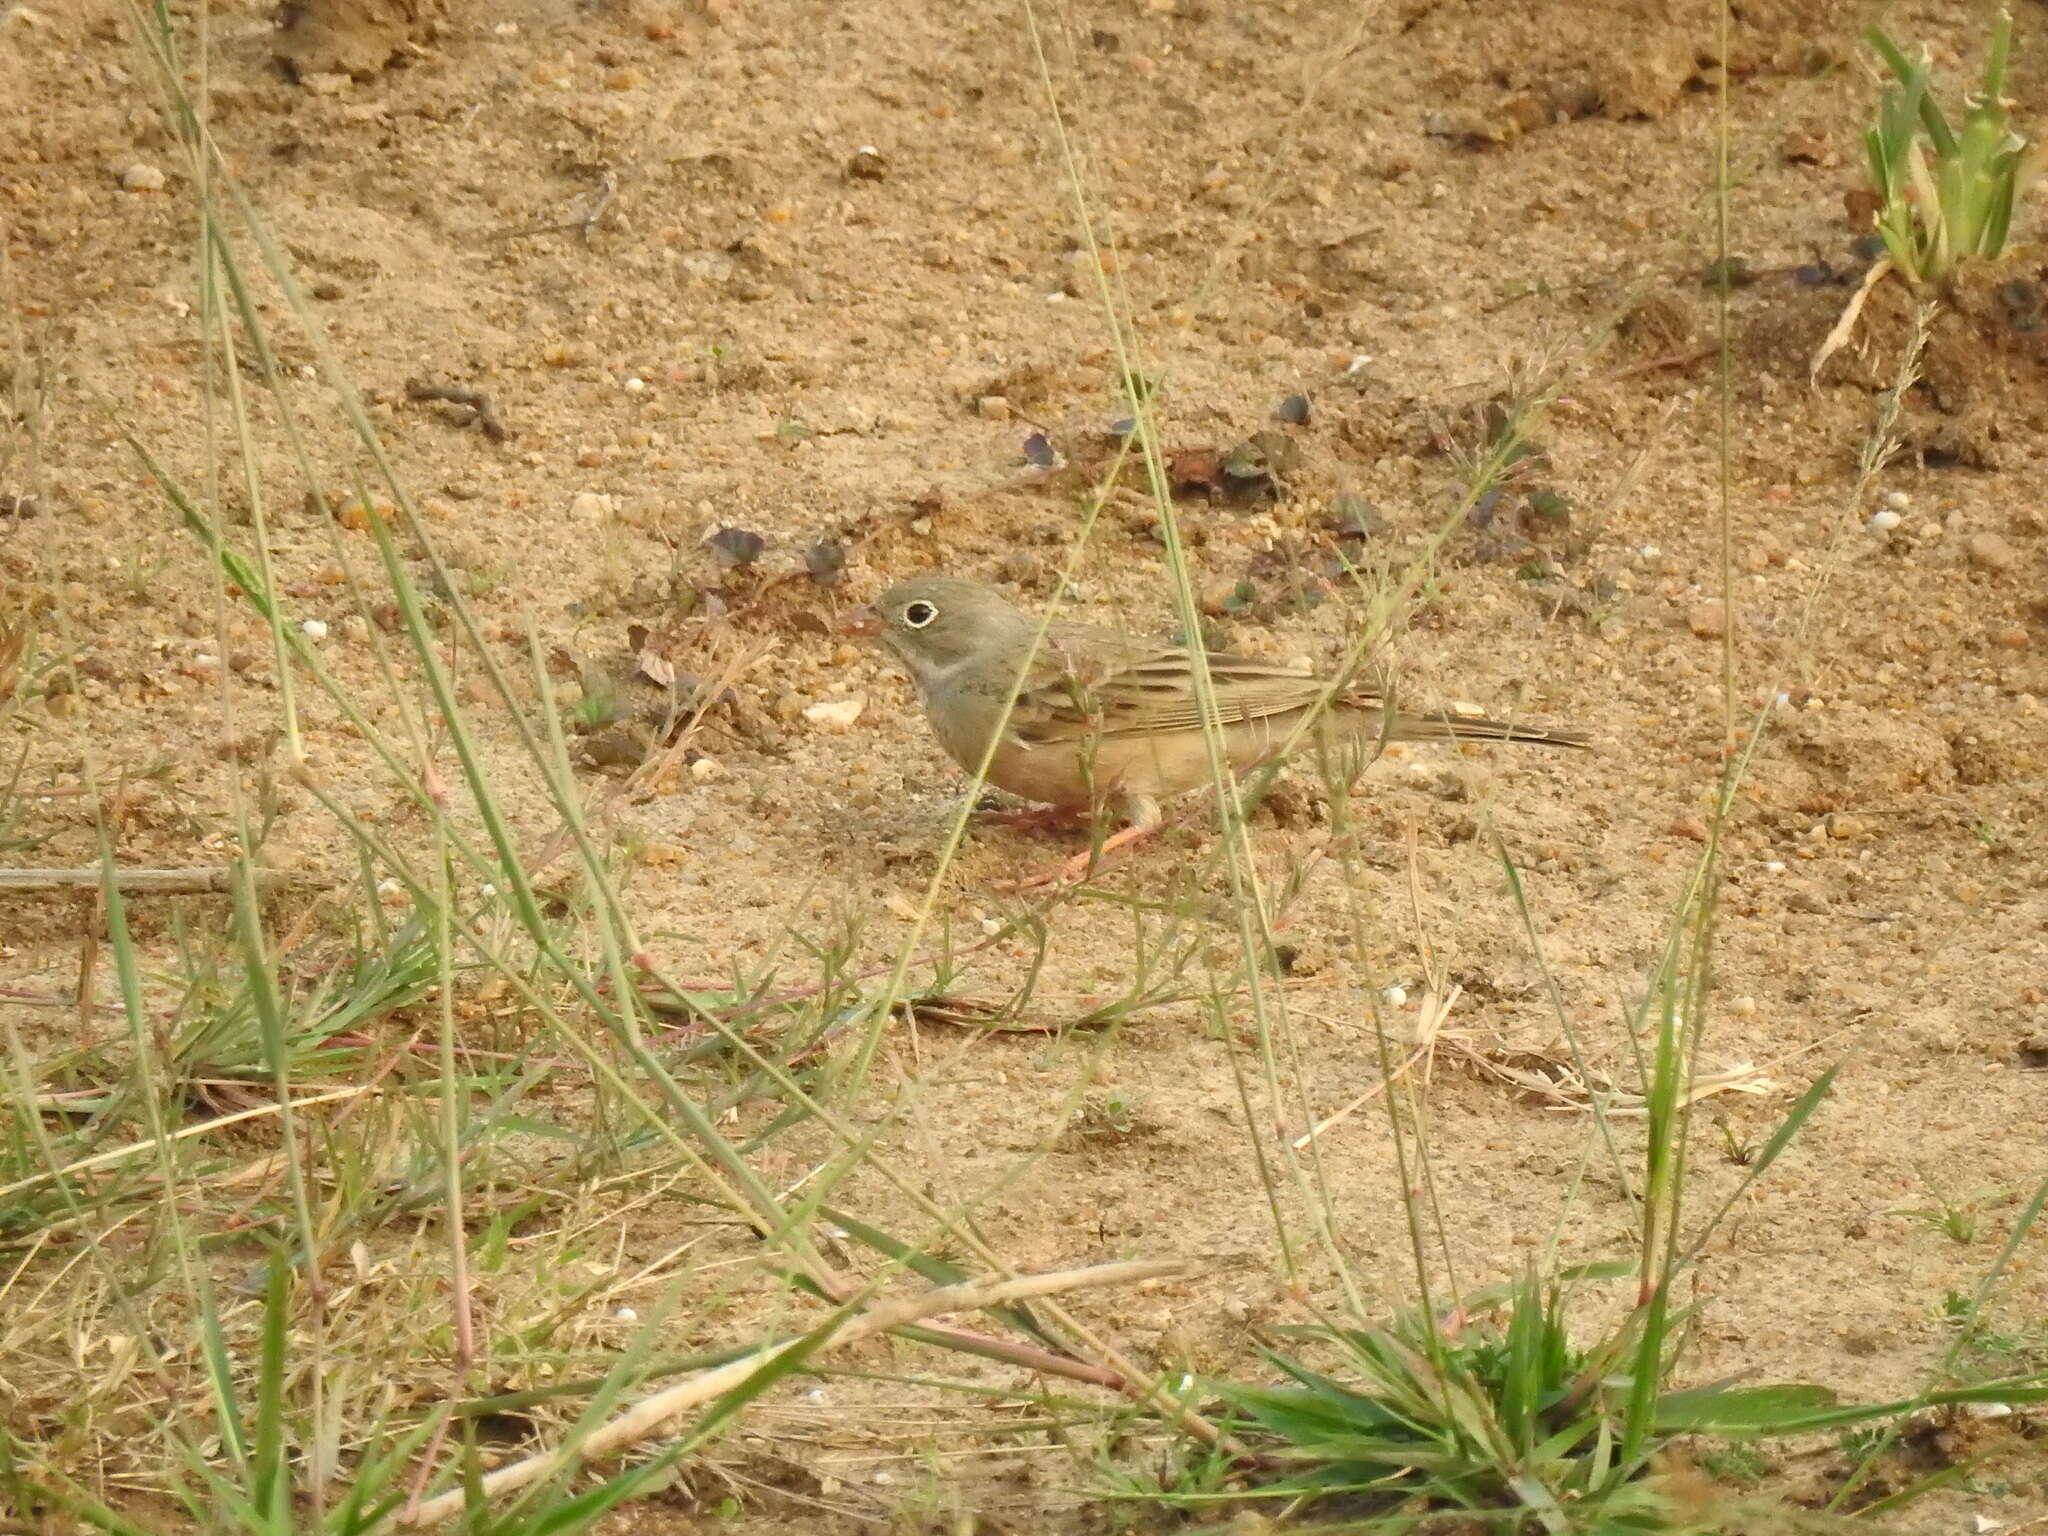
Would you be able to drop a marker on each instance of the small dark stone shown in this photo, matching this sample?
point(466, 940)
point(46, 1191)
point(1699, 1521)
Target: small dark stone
point(1550, 506)
point(1038, 450)
point(1728, 272)
point(2023, 301)
point(1294, 410)
point(1353, 517)
point(826, 561)
point(736, 546)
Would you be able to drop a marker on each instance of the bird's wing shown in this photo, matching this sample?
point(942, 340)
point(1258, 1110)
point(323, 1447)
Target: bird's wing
point(1088, 681)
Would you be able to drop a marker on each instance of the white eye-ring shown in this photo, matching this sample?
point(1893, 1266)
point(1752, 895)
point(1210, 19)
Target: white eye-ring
point(919, 613)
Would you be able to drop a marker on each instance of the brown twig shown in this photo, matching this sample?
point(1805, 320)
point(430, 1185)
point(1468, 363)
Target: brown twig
point(150, 882)
point(647, 1416)
point(1685, 359)
point(487, 416)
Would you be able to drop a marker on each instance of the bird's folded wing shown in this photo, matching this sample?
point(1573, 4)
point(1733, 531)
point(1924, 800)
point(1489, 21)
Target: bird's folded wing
point(1102, 683)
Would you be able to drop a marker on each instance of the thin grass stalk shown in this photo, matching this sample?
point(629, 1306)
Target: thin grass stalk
point(1239, 868)
point(1667, 1106)
point(1603, 1121)
point(454, 1106)
point(158, 39)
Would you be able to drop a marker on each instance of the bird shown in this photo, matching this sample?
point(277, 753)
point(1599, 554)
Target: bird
point(1104, 721)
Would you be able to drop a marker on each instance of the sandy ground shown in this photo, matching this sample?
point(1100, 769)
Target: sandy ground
point(831, 290)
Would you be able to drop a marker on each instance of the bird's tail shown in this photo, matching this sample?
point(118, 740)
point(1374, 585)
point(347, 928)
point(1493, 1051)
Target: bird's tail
point(1401, 725)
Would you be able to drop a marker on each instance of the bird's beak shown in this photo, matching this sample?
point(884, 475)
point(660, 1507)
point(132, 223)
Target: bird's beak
point(864, 622)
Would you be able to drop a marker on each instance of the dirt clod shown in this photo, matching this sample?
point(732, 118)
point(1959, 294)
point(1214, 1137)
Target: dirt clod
point(1991, 552)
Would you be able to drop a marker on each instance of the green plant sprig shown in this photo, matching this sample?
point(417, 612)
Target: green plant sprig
point(1958, 207)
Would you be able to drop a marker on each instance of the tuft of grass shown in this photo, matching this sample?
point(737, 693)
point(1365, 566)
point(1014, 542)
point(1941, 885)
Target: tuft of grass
point(1492, 1407)
point(1945, 195)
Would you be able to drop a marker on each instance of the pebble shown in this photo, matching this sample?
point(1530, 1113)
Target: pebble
point(1844, 827)
point(314, 630)
point(993, 408)
point(142, 177)
point(1708, 620)
point(1082, 275)
point(1884, 521)
point(1990, 552)
point(837, 714)
point(590, 507)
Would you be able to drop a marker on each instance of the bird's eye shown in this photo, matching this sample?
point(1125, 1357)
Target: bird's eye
point(919, 614)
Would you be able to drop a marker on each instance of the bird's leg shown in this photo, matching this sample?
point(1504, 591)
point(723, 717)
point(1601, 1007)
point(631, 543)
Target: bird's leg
point(1145, 818)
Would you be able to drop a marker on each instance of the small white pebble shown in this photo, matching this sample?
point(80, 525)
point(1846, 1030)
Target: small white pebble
point(1395, 997)
point(314, 630)
point(990, 926)
point(142, 177)
point(1884, 521)
point(836, 714)
point(1649, 551)
point(1360, 361)
point(627, 1315)
point(1774, 866)
point(634, 386)
point(1782, 700)
point(489, 890)
point(506, 29)
point(815, 1395)
point(1898, 501)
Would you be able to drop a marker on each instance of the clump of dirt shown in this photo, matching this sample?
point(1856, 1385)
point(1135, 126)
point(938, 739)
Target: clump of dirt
point(356, 38)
